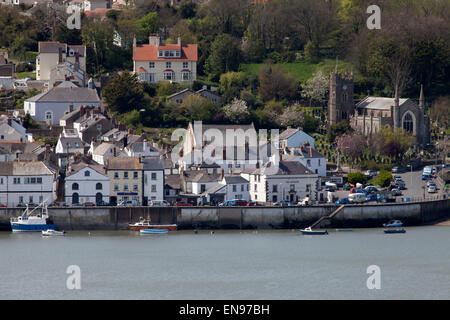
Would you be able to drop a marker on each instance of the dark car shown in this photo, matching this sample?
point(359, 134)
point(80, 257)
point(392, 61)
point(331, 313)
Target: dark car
point(283, 203)
point(343, 201)
point(371, 197)
point(398, 169)
point(254, 204)
point(103, 204)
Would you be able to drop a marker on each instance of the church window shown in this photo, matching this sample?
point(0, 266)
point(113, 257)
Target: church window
point(408, 124)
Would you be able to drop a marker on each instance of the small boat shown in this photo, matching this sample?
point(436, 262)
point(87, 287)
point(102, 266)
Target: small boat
point(153, 231)
point(393, 224)
point(146, 224)
point(344, 229)
point(51, 232)
point(30, 221)
point(310, 231)
point(394, 231)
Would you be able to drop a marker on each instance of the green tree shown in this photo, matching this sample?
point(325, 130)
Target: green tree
point(231, 84)
point(275, 84)
point(148, 24)
point(337, 130)
point(124, 93)
point(384, 178)
point(225, 56)
point(357, 177)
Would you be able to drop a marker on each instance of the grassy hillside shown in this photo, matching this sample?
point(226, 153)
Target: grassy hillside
point(302, 71)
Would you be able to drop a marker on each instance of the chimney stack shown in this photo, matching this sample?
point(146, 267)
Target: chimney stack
point(154, 39)
point(179, 41)
point(144, 145)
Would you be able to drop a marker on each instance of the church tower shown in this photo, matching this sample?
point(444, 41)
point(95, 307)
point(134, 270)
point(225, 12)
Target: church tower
point(340, 103)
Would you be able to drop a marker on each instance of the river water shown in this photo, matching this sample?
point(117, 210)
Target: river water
point(227, 265)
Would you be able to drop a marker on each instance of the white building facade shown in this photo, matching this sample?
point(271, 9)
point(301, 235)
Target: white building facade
point(88, 184)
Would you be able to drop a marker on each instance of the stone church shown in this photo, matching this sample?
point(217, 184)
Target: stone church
point(372, 113)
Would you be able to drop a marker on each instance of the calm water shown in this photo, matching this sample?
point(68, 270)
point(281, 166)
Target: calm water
point(227, 265)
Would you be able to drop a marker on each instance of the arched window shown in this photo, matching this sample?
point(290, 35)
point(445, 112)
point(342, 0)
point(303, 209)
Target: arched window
point(98, 198)
point(75, 198)
point(98, 186)
point(75, 186)
point(408, 124)
point(87, 173)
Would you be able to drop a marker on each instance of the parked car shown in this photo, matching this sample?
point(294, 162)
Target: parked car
point(283, 203)
point(370, 173)
point(128, 203)
point(426, 176)
point(183, 204)
point(371, 189)
point(103, 204)
point(234, 203)
point(357, 197)
point(342, 201)
point(254, 204)
point(158, 203)
point(431, 183)
point(347, 186)
point(398, 169)
point(432, 189)
point(385, 196)
point(371, 197)
point(89, 204)
point(396, 192)
point(3, 205)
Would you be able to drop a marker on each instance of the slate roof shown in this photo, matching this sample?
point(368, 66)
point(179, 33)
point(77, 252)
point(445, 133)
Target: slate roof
point(235, 180)
point(286, 134)
point(284, 168)
point(152, 164)
point(19, 168)
point(71, 94)
point(379, 103)
point(124, 164)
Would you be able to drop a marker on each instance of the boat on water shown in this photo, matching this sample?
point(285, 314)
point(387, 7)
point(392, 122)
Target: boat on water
point(393, 224)
point(310, 231)
point(36, 220)
point(344, 229)
point(154, 231)
point(52, 232)
point(394, 231)
point(146, 224)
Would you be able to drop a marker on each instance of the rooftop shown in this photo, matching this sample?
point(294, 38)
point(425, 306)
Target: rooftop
point(67, 95)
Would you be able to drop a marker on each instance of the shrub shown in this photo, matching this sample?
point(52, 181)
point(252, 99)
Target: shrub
point(355, 177)
point(384, 178)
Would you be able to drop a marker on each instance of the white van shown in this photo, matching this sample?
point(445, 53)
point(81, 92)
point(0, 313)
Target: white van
point(158, 203)
point(357, 197)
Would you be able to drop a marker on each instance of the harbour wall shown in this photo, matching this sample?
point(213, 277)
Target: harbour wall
point(351, 216)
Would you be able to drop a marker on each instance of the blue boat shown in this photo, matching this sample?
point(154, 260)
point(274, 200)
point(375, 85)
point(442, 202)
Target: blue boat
point(313, 232)
point(393, 224)
point(154, 231)
point(30, 221)
point(394, 231)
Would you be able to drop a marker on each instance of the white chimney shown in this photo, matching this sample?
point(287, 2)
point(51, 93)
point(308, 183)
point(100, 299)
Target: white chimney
point(144, 147)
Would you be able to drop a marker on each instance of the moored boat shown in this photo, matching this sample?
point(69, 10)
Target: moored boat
point(31, 221)
point(310, 231)
point(393, 224)
point(344, 229)
point(52, 232)
point(146, 224)
point(394, 231)
point(153, 231)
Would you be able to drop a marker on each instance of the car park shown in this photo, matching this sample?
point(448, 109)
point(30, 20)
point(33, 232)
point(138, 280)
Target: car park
point(357, 197)
point(398, 170)
point(396, 192)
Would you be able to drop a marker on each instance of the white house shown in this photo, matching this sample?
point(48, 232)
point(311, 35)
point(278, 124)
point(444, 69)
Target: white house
point(294, 138)
point(50, 106)
point(86, 184)
point(26, 182)
point(289, 181)
point(153, 179)
point(157, 61)
point(231, 187)
point(141, 149)
point(105, 150)
point(308, 157)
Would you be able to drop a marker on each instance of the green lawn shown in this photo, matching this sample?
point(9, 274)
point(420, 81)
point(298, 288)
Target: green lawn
point(22, 75)
point(302, 71)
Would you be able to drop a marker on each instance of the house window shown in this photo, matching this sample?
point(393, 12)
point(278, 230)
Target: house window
point(135, 175)
point(75, 186)
point(292, 187)
point(87, 173)
point(169, 76)
point(274, 188)
point(234, 188)
point(20, 199)
point(98, 186)
point(151, 65)
point(408, 124)
point(168, 65)
point(75, 198)
point(185, 76)
point(308, 163)
point(125, 175)
point(30, 199)
point(116, 175)
point(48, 115)
point(116, 187)
point(242, 187)
point(39, 180)
point(125, 187)
point(185, 65)
point(308, 188)
point(256, 187)
point(16, 180)
point(135, 187)
point(202, 188)
point(153, 175)
point(2, 137)
point(153, 187)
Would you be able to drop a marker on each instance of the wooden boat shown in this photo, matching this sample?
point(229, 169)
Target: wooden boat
point(51, 232)
point(394, 231)
point(310, 231)
point(146, 224)
point(153, 231)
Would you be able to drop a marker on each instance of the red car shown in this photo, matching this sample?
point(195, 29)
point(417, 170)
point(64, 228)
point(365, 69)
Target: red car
point(89, 204)
point(183, 204)
point(3, 205)
point(254, 204)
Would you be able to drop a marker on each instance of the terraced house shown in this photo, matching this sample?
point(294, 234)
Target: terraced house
point(125, 176)
point(158, 61)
